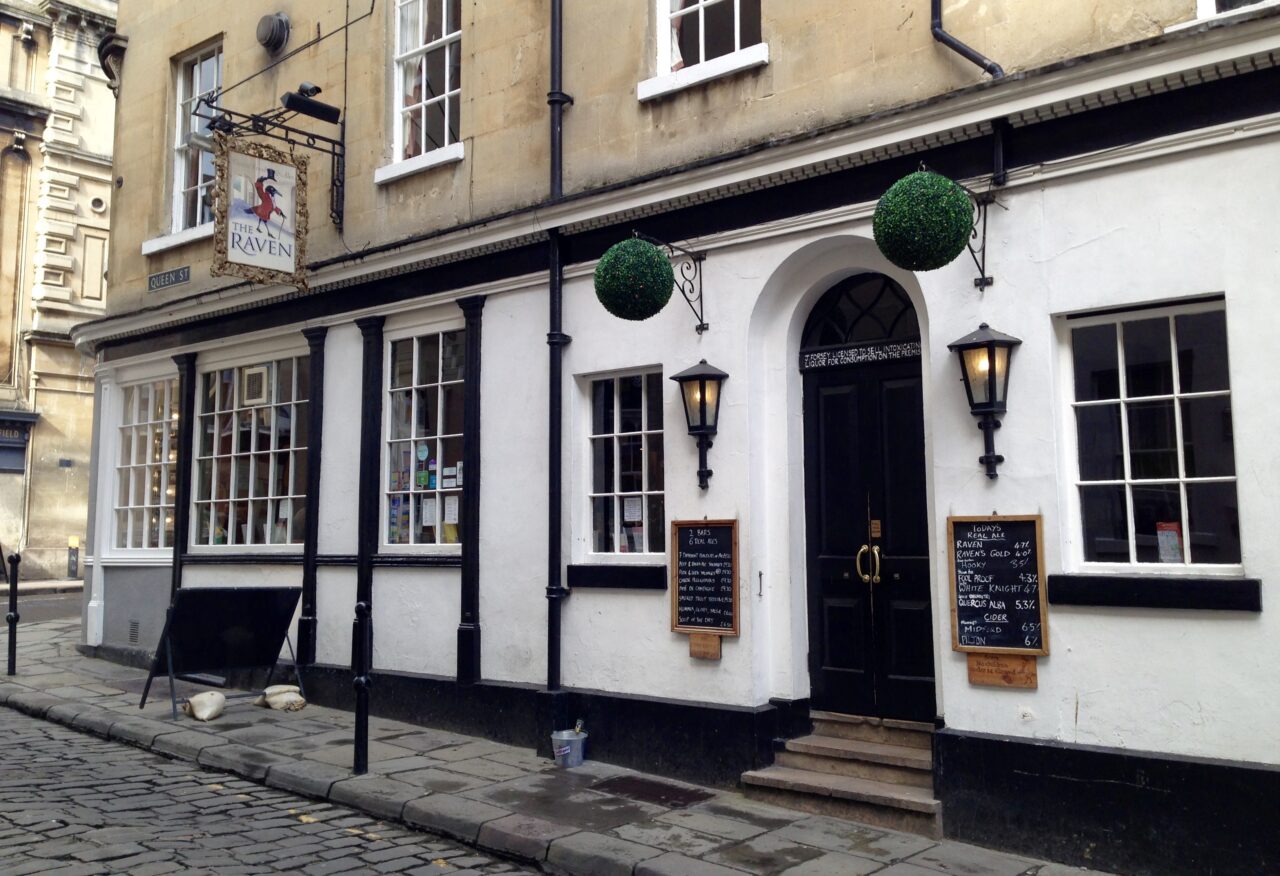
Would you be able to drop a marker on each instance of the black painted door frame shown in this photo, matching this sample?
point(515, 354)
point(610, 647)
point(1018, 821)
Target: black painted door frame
point(870, 641)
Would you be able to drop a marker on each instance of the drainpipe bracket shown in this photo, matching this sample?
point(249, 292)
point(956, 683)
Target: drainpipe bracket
point(558, 339)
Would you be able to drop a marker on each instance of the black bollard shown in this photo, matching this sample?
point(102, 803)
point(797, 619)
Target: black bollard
point(12, 616)
point(362, 664)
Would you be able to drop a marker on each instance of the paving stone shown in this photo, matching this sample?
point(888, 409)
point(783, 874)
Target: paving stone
point(670, 837)
point(467, 750)
point(675, 864)
point(962, 859)
point(716, 825)
point(597, 854)
point(834, 864)
point(521, 836)
point(419, 739)
point(377, 795)
point(564, 798)
point(854, 839)
point(344, 755)
point(484, 768)
point(305, 777)
point(404, 764)
point(138, 731)
point(767, 854)
point(750, 811)
point(260, 733)
point(453, 816)
point(241, 759)
point(441, 781)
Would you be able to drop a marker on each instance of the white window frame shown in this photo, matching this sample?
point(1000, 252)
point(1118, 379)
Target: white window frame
point(184, 105)
point(413, 332)
point(666, 81)
point(166, 466)
point(1207, 10)
point(1074, 555)
point(451, 150)
point(616, 556)
point(263, 355)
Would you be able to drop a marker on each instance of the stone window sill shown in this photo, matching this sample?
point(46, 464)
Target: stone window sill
point(669, 83)
point(400, 169)
point(177, 239)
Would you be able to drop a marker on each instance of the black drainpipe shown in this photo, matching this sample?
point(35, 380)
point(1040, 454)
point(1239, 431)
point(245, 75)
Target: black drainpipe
point(960, 48)
point(556, 341)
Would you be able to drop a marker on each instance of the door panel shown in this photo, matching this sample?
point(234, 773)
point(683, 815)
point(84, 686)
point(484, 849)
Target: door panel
point(871, 644)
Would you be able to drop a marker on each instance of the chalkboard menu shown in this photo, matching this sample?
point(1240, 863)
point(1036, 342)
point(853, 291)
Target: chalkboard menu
point(704, 576)
point(997, 573)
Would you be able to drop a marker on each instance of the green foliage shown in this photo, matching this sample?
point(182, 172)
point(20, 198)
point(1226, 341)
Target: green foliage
point(923, 222)
point(634, 279)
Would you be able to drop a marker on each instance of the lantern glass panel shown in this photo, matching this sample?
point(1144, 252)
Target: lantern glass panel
point(986, 386)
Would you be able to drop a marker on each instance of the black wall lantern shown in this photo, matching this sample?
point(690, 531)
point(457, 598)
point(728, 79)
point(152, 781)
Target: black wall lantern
point(700, 392)
point(984, 366)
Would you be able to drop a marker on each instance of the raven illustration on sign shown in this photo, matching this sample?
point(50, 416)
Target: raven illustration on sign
point(266, 206)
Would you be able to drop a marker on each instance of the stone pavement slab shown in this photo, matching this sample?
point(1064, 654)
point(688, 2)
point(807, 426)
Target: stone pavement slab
point(503, 798)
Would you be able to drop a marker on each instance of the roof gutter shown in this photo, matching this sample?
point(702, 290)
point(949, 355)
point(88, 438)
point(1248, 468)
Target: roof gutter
point(964, 51)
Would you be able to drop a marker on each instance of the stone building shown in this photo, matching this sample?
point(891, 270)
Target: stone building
point(443, 422)
point(56, 118)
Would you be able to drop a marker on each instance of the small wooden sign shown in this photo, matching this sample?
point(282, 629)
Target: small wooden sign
point(704, 577)
point(704, 646)
point(1003, 670)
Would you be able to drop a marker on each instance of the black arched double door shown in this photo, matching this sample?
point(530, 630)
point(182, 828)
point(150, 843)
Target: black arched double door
point(870, 620)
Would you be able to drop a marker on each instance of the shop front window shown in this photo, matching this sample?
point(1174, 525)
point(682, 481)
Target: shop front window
point(628, 513)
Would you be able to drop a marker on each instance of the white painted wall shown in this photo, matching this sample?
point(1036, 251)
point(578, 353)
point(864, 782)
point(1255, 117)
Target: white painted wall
point(415, 620)
point(335, 610)
point(340, 452)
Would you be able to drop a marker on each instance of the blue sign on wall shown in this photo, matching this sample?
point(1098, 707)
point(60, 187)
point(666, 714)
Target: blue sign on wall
point(14, 430)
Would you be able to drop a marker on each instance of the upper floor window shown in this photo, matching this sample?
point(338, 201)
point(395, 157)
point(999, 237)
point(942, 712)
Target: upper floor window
point(424, 440)
point(428, 67)
point(199, 75)
point(699, 40)
point(627, 506)
point(1157, 472)
point(145, 485)
point(1212, 7)
point(251, 454)
point(702, 30)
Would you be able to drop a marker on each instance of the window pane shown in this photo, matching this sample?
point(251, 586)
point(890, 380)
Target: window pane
point(428, 415)
point(1153, 450)
point(244, 431)
point(209, 391)
point(398, 524)
point(206, 435)
point(1202, 351)
point(1206, 437)
point(126, 446)
point(1215, 523)
point(402, 363)
point(720, 34)
point(1098, 435)
point(136, 522)
point(122, 529)
point(284, 381)
point(280, 475)
point(433, 121)
point(632, 510)
point(630, 464)
point(653, 402)
point(1148, 362)
point(435, 20)
point(400, 466)
point(411, 133)
point(284, 426)
point(654, 445)
point(428, 516)
point(299, 466)
point(266, 427)
point(450, 453)
point(399, 414)
point(602, 465)
point(221, 520)
point(452, 356)
point(427, 466)
point(602, 524)
point(411, 82)
point(203, 519)
point(1157, 523)
point(601, 407)
point(226, 389)
point(453, 123)
point(453, 21)
point(240, 490)
point(451, 531)
point(428, 360)
point(301, 425)
point(204, 479)
point(1106, 529)
point(239, 528)
point(657, 525)
point(303, 368)
point(453, 409)
point(410, 30)
point(1097, 369)
point(630, 395)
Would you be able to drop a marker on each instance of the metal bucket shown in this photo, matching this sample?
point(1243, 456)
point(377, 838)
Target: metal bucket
point(567, 745)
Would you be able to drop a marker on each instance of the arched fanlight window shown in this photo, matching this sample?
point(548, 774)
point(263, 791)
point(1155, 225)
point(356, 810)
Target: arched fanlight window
point(863, 309)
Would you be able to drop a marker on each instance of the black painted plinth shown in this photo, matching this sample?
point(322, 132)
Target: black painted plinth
point(699, 742)
point(1109, 809)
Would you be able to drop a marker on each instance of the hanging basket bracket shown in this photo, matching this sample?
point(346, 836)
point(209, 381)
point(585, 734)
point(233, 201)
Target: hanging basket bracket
point(688, 270)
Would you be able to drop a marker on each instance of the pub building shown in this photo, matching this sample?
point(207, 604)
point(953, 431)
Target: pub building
point(976, 551)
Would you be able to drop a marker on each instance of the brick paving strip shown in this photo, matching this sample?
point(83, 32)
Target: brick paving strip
point(500, 799)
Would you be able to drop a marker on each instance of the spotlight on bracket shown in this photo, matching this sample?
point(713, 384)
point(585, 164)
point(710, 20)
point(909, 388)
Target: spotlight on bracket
point(303, 102)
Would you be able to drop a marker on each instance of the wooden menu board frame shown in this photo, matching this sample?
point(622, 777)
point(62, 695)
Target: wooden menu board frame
point(1042, 592)
point(676, 526)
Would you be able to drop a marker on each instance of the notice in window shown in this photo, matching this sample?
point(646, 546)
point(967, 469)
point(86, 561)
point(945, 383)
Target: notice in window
point(632, 509)
point(1169, 542)
point(450, 509)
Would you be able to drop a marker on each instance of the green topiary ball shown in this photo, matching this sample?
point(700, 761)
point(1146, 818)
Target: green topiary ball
point(634, 279)
point(923, 222)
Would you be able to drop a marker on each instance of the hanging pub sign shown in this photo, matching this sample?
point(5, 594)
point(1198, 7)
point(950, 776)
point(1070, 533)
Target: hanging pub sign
point(260, 213)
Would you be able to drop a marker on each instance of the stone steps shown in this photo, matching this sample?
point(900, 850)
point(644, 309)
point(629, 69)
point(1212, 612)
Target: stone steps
point(874, 770)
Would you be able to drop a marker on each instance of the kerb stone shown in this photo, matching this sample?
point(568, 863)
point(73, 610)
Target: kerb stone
point(35, 704)
point(186, 744)
point(138, 731)
point(453, 816)
point(675, 864)
point(376, 795)
point(521, 836)
point(95, 720)
point(592, 853)
point(243, 760)
point(308, 778)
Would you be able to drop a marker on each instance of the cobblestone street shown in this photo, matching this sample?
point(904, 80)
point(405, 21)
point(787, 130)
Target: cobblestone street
point(71, 803)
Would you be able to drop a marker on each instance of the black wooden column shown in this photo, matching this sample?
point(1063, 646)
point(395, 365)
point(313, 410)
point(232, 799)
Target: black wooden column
point(315, 430)
point(366, 529)
point(186, 363)
point(469, 626)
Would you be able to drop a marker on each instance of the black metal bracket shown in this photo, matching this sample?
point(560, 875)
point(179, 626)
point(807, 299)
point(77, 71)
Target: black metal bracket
point(688, 268)
point(274, 125)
